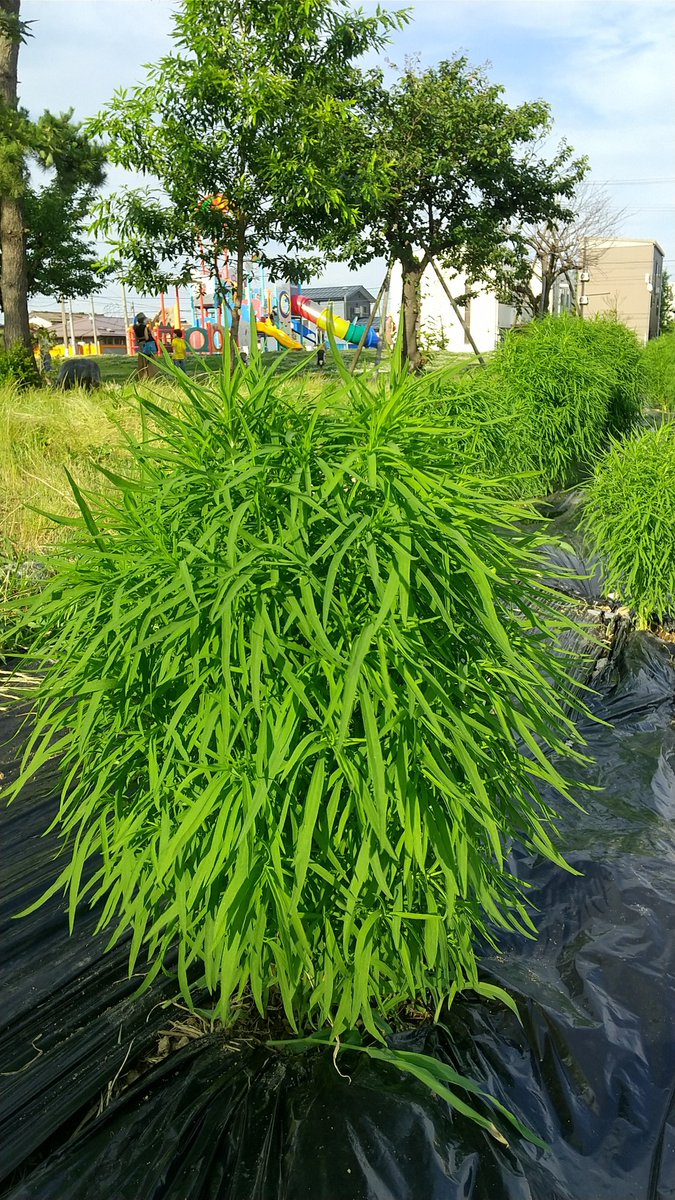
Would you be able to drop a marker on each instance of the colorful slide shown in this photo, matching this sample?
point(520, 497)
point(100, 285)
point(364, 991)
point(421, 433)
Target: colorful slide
point(273, 331)
point(302, 307)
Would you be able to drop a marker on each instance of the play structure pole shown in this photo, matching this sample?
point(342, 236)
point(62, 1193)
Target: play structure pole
point(359, 349)
point(162, 308)
point(178, 320)
point(460, 318)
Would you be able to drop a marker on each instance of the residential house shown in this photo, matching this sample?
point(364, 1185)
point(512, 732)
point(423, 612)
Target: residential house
point(111, 334)
point(354, 303)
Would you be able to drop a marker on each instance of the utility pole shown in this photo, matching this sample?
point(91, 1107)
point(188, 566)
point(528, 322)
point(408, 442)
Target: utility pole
point(93, 326)
point(72, 327)
point(127, 322)
point(63, 327)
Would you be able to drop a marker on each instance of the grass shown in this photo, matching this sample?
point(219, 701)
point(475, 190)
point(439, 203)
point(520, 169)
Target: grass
point(630, 521)
point(42, 431)
point(122, 368)
point(301, 679)
point(659, 361)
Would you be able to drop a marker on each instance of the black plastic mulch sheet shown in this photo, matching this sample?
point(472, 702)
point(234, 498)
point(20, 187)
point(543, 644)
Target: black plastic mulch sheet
point(591, 1069)
point(68, 1013)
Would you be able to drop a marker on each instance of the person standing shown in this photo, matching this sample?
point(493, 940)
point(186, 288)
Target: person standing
point(179, 349)
point(147, 346)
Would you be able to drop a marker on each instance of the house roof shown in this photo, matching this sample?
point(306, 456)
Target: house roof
point(350, 292)
point(82, 325)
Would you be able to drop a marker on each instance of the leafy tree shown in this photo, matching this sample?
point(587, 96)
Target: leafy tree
point(50, 255)
point(667, 310)
point(458, 166)
point(242, 130)
point(12, 170)
point(547, 251)
point(59, 259)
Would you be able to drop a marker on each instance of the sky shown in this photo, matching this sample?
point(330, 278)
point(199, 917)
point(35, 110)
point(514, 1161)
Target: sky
point(606, 68)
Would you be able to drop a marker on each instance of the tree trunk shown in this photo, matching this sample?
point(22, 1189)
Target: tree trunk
point(412, 278)
point(13, 283)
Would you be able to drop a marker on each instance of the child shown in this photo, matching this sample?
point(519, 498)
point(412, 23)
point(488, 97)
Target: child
point(179, 349)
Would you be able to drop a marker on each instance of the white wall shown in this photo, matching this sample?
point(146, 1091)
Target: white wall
point(437, 316)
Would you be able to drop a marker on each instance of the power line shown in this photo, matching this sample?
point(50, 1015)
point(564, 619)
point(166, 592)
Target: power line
point(660, 179)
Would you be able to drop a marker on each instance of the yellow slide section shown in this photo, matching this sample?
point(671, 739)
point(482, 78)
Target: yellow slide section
point(270, 330)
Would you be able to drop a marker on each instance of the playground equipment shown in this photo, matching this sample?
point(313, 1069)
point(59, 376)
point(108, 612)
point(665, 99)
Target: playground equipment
point(267, 329)
point(268, 309)
point(346, 331)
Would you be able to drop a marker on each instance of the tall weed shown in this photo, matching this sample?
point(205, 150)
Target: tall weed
point(548, 400)
point(630, 521)
point(303, 684)
point(659, 365)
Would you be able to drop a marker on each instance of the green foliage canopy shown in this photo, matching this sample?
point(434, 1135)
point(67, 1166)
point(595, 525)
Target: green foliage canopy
point(253, 104)
point(459, 166)
point(60, 261)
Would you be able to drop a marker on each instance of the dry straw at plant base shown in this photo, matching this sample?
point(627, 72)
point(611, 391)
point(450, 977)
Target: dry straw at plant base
point(302, 680)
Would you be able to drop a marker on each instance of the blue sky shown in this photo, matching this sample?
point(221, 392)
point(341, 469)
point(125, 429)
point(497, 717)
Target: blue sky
point(606, 67)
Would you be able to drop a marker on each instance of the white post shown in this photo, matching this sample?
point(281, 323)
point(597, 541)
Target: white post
point(93, 325)
point(63, 326)
point(125, 310)
point(72, 327)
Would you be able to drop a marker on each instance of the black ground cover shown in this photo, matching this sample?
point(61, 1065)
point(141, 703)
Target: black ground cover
point(591, 1069)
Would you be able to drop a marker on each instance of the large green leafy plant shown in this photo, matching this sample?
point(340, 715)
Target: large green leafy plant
point(630, 521)
point(548, 401)
point(659, 365)
point(302, 682)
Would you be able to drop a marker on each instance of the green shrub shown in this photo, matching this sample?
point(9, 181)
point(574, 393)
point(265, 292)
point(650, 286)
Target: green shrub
point(548, 400)
point(18, 365)
point(659, 365)
point(303, 685)
point(630, 521)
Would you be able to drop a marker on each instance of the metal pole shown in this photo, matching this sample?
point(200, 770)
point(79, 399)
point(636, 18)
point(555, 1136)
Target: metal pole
point(93, 326)
point(72, 327)
point(63, 325)
point(458, 314)
point(127, 322)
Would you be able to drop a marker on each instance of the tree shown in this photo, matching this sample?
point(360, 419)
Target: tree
point(59, 257)
point(41, 247)
point(461, 166)
point(550, 250)
point(243, 129)
point(667, 310)
point(12, 171)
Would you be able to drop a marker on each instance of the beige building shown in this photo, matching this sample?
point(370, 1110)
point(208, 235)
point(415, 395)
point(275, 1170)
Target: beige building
point(623, 276)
